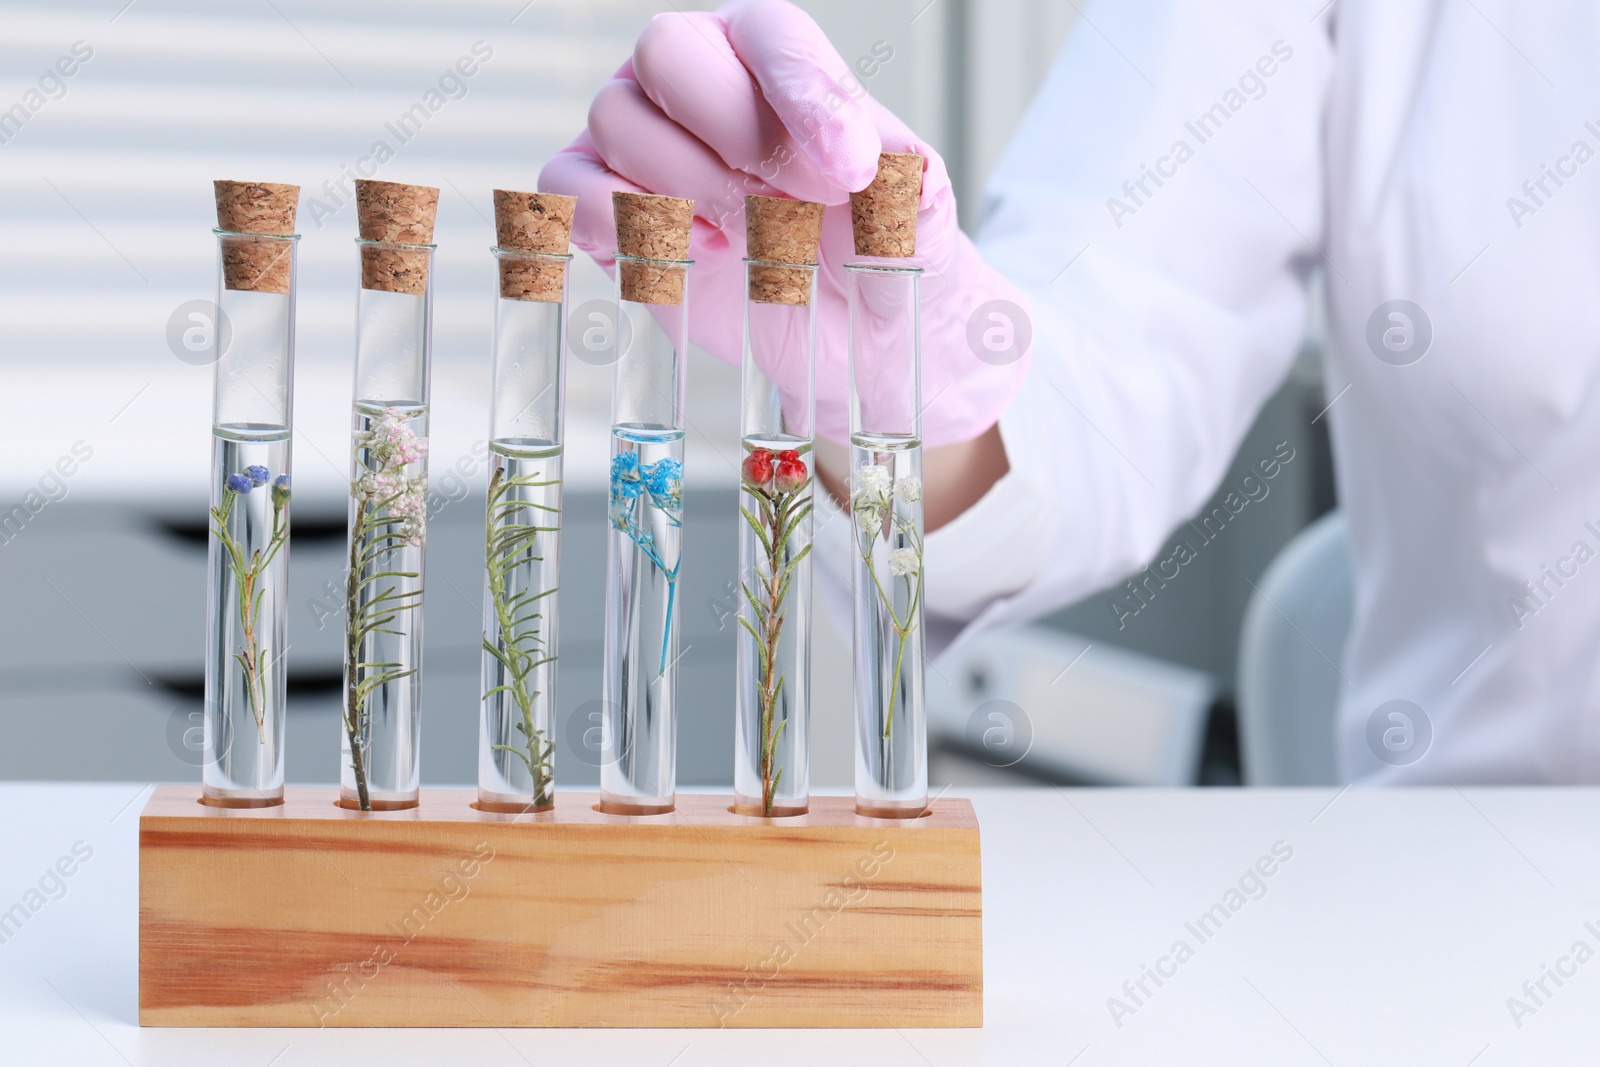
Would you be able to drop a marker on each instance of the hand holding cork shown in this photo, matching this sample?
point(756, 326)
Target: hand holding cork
point(752, 100)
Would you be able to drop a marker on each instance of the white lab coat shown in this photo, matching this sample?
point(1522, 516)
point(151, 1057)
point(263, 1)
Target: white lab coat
point(1388, 150)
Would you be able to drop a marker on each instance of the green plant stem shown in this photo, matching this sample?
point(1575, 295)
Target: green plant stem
point(644, 543)
point(376, 535)
point(902, 629)
point(251, 658)
point(772, 680)
point(367, 543)
point(505, 545)
point(780, 515)
point(355, 709)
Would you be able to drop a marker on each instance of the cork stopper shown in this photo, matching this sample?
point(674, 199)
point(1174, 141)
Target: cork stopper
point(402, 214)
point(652, 227)
point(781, 231)
point(884, 214)
point(264, 208)
point(539, 223)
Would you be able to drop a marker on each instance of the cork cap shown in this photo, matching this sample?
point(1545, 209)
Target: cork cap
point(265, 208)
point(781, 231)
point(652, 227)
point(539, 223)
point(884, 214)
point(402, 214)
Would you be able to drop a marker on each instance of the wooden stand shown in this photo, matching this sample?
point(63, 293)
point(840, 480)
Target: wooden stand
point(310, 915)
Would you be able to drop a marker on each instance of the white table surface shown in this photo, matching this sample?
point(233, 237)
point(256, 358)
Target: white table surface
point(1394, 935)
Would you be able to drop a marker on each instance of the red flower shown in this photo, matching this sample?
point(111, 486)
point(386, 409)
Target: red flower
point(791, 471)
point(757, 468)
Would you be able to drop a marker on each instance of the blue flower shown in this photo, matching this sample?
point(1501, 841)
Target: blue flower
point(280, 490)
point(258, 474)
point(625, 475)
point(625, 465)
point(240, 483)
point(282, 481)
point(662, 478)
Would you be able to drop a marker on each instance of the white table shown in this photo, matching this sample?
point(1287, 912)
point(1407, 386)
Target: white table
point(1395, 934)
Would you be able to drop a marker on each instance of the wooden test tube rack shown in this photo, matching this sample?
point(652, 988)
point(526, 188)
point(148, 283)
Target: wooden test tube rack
point(310, 915)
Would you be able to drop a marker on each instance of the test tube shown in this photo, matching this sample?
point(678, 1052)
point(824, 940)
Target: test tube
point(886, 494)
point(381, 764)
point(248, 557)
point(516, 750)
point(772, 707)
point(638, 774)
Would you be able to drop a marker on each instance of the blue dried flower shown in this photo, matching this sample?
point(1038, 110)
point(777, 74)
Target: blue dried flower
point(280, 490)
point(626, 475)
point(258, 474)
point(625, 465)
point(240, 483)
point(662, 478)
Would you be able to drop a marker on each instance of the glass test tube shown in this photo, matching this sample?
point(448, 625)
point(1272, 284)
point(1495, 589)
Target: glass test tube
point(248, 558)
point(638, 773)
point(380, 767)
point(516, 751)
point(772, 715)
point(887, 572)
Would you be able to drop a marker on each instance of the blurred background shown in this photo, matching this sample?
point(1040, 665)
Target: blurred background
point(106, 212)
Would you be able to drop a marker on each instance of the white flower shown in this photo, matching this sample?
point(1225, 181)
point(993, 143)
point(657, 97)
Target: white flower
point(867, 519)
point(909, 490)
point(873, 478)
point(390, 444)
point(904, 561)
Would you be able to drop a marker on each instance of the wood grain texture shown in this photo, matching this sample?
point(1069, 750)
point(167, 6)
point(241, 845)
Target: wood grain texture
point(310, 915)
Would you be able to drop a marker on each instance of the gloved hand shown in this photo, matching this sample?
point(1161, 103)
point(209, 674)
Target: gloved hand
point(751, 99)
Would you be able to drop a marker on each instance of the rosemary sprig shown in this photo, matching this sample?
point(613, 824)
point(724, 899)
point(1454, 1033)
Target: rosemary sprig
point(519, 646)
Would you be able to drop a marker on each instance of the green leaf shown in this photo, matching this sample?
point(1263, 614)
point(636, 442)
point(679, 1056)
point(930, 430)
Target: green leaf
point(761, 648)
point(783, 580)
point(755, 603)
point(523, 756)
point(792, 522)
point(761, 533)
point(375, 575)
point(497, 653)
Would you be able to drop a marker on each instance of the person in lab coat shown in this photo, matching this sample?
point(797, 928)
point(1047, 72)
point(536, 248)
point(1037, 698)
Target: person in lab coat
point(1186, 171)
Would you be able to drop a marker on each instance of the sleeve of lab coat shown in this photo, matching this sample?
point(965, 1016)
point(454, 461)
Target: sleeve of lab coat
point(1162, 207)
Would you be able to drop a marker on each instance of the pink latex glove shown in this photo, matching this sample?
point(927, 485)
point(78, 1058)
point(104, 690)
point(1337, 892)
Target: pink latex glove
point(751, 99)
